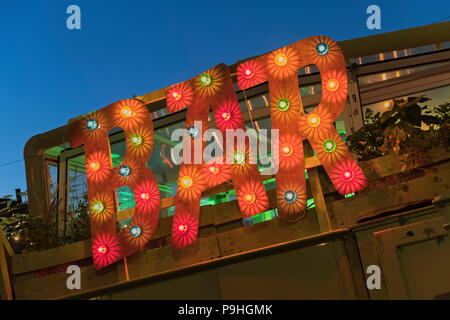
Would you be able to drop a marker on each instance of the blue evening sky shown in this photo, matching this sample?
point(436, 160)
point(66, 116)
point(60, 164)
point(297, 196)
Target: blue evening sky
point(50, 74)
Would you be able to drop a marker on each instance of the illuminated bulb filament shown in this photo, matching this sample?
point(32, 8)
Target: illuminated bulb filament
point(186, 182)
point(102, 249)
point(281, 59)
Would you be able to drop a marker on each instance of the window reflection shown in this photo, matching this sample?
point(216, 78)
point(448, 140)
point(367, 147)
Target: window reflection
point(437, 95)
point(383, 76)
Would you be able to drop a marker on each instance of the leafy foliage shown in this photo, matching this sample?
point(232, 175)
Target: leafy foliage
point(41, 232)
point(408, 130)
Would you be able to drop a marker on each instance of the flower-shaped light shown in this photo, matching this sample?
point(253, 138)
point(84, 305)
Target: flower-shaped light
point(184, 230)
point(105, 249)
point(228, 116)
point(128, 172)
point(241, 165)
point(284, 106)
point(130, 114)
point(139, 232)
point(146, 195)
point(291, 197)
point(330, 149)
point(91, 129)
point(179, 96)
point(290, 151)
point(216, 173)
point(347, 176)
point(250, 74)
point(139, 143)
point(252, 198)
point(210, 83)
point(102, 208)
point(334, 84)
point(323, 52)
point(315, 125)
point(283, 63)
point(191, 182)
point(98, 167)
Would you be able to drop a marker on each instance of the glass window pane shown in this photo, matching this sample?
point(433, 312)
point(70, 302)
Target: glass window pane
point(383, 76)
point(437, 95)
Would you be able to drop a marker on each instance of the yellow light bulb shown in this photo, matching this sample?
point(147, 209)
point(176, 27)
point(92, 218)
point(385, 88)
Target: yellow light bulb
point(250, 197)
point(95, 165)
point(126, 112)
point(280, 59)
point(313, 120)
point(332, 85)
point(186, 182)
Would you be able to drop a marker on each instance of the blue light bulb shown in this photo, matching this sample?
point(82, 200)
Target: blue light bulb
point(124, 170)
point(322, 48)
point(135, 231)
point(91, 124)
point(192, 131)
point(290, 196)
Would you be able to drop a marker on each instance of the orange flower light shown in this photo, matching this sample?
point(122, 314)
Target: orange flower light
point(335, 88)
point(191, 182)
point(102, 209)
point(241, 162)
point(91, 129)
point(179, 96)
point(314, 125)
point(139, 143)
point(138, 233)
point(322, 51)
point(98, 167)
point(127, 172)
point(130, 113)
point(284, 106)
point(330, 149)
point(250, 74)
point(283, 63)
point(291, 198)
point(290, 151)
point(252, 198)
point(210, 83)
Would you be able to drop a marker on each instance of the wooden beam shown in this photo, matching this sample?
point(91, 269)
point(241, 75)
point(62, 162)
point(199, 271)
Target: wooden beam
point(6, 281)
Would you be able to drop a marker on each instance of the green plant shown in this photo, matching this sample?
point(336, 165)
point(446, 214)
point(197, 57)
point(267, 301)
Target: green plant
point(41, 232)
point(407, 130)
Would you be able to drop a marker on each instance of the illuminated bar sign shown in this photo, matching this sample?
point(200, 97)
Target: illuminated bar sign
point(214, 89)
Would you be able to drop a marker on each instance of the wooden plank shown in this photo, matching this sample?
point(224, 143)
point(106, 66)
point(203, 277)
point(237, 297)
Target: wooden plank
point(5, 279)
point(55, 285)
point(62, 196)
point(32, 261)
point(343, 213)
point(319, 201)
point(266, 233)
point(149, 262)
point(6, 244)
